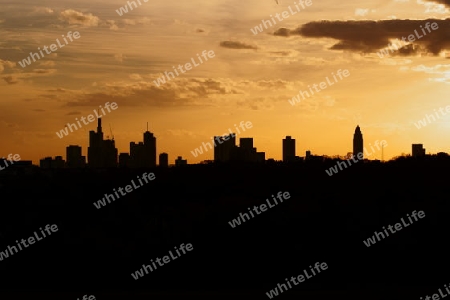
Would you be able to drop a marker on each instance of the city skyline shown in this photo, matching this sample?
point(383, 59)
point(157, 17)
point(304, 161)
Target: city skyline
point(144, 129)
point(228, 148)
point(251, 77)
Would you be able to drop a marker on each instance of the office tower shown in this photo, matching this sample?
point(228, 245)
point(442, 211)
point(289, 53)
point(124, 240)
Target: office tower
point(224, 146)
point(101, 153)
point(288, 149)
point(358, 145)
point(246, 143)
point(245, 152)
point(74, 159)
point(143, 154)
point(150, 149)
point(164, 160)
point(180, 161)
point(418, 150)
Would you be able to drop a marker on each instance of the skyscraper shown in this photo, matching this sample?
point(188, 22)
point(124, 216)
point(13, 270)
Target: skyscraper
point(288, 149)
point(164, 160)
point(246, 143)
point(358, 145)
point(101, 153)
point(143, 154)
point(224, 146)
point(245, 152)
point(150, 149)
point(74, 158)
point(418, 150)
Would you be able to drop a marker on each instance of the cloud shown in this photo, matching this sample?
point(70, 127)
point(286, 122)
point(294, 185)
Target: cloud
point(369, 36)
point(75, 17)
point(361, 11)
point(177, 92)
point(119, 57)
point(236, 45)
point(141, 21)
point(48, 63)
point(6, 63)
point(112, 25)
point(10, 79)
point(44, 71)
point(135, 76)
point(41, 11)
point(435, 6)
point(445, 2)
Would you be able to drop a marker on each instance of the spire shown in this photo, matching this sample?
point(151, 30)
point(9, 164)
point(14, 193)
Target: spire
point(99, 125)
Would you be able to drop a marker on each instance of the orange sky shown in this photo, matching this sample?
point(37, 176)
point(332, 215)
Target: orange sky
point(251, 77)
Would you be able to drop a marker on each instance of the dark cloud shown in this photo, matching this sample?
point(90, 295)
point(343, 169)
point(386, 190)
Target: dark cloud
point(446, 2)
point(44, 71)
point(178, 92)
point(236, 45)
point(10, 79)
point(370, 36)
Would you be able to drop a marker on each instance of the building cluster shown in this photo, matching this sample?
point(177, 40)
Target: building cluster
point(226, 150)
point(103, 153)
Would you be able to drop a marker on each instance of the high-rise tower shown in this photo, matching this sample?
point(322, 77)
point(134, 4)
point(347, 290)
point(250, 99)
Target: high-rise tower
point(358, 145)
point(144, 154)
point(288, 149)
point(101, 153)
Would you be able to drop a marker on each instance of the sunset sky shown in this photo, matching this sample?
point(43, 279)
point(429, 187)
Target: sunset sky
point(251, 78)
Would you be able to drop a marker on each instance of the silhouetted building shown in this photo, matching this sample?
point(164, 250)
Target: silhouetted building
point(124, 160)
point(308, 155)
point(101, 153)
point(288, 149)
point(260, 156)
point(163, 160)
point(49, 163)
point(180, 161)
point(245, 152)
point(246, 143)
point(144, 153)
point(224, 147)
point(74, 159)
point(358, 145)
point(418, 150)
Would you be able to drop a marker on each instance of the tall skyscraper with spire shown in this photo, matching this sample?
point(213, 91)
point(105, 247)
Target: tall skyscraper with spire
point(358, 145)
point(101, 153)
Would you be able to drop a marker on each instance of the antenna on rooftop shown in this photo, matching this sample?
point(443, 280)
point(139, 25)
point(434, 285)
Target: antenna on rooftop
point(112, 136)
